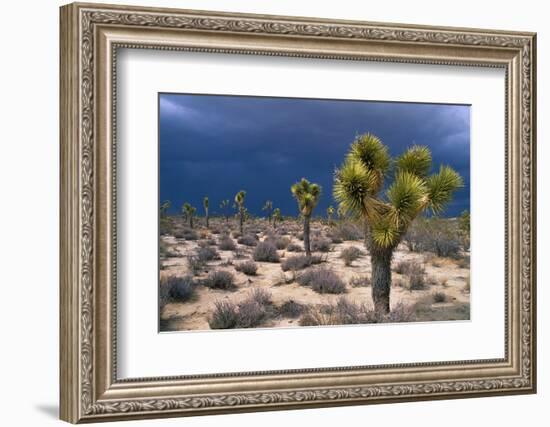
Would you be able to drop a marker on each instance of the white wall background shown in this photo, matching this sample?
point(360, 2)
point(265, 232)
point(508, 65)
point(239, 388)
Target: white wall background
point(29, 170)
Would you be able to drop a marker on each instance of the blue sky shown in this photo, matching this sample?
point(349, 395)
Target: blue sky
point(212, 145)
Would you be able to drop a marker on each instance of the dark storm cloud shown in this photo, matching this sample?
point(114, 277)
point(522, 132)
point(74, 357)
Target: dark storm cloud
point(218, 145)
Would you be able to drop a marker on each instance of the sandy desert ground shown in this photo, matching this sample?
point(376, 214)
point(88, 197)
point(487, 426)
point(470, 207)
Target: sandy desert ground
point(442, 294)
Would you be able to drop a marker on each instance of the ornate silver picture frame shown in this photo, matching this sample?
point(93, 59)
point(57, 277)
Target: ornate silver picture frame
point(91, 35)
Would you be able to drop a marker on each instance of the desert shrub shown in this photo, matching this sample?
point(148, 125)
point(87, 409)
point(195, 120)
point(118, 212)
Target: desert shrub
point(248, 240)
point(181, 288)
point(336, 239)
point(463, 262)
point(215, 230)
point(266, 252)
point(438, 235)
point(250, 314)
point(360, 281)
point(238, 253)
point(320, 244)
point(236, 234)
point(446, 246)
point(347, 231)
point(166, 226)
point(195, 264)
point(247, 267)
point(225, 315)
point(220, 279)
point(322, 280)
point(344, 312)
point(300, 235)
point(173, 288)
point(281, 242)
point(189, 234)
point(165, 251)
point(293, 247)
point(178, 234)
point(350, 254)
point(439, 297)
point(207, 253)
point(299, 262)
point(226, 244)
point(291, 308)
point(417, 281)
point(261, 296)
point(409, 268)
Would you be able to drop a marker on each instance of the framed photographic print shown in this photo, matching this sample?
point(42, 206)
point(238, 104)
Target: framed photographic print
point(265, 212)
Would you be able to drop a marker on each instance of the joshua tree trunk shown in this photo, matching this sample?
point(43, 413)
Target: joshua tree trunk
point(241, 221)
point(307, 246)
point(207, 218)
point(191, 221)
point(381, 278)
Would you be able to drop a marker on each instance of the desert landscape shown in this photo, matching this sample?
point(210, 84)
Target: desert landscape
point(284, 216)
point(218, 278)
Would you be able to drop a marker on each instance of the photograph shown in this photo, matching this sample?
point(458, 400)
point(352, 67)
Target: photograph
point(297, 212)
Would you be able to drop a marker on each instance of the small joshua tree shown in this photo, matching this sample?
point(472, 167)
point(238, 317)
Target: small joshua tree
point(164, 208)
point(239, 204)
point(224, 206)
point(330, 212)
point(277, 216)
point(189, 212)
point(205, 205)
point(268, 208)
point(357, 184)
point(307, 195)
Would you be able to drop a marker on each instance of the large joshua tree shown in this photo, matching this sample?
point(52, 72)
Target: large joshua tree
point(205, 204)
point(357, 186)
point(307, 195)
point(239, 203)
point(189, 212)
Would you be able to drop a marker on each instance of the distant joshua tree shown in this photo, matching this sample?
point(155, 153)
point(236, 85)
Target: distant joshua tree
point(307, 195)
point(268, 208)
point(164, 208)
point(464, 222)
point(277, 216)
point(189, 212)
point(205, 205)
point(224, 206)
point(330, 212)
point(239, 204)
point(357, 184)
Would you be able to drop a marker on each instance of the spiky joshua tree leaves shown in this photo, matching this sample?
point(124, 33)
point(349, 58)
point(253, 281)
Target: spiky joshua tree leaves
point(307, 195)
point(205, 204)
point(357, 187)
point(239, 203)
point(189, 212)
